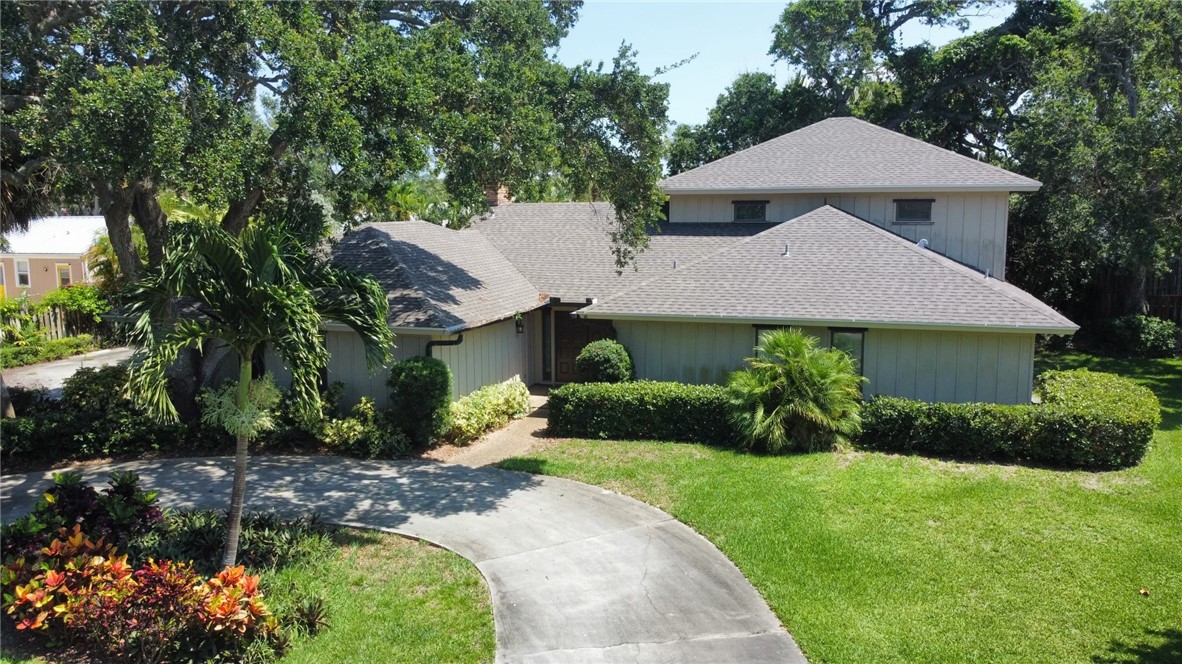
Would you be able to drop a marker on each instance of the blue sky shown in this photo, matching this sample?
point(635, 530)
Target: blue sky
point(730, 38)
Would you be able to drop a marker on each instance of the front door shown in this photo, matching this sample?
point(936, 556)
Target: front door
point(570, 336)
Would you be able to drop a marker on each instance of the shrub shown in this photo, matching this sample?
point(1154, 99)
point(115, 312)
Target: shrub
point(642, 410)
point(1143, 336)
point(36, 349)
point(795, 396)
point(488, 408)
point(366, 433)
point(420, 399)
point(604, 361)
point(1086, 420)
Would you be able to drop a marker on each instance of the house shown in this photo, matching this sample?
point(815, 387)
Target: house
point(879, 244)
point(49, 255)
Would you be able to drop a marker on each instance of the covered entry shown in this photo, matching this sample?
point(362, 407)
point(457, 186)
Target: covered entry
point(571, 334)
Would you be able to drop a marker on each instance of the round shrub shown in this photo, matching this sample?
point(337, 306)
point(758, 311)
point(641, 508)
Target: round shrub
point(604, 361)
point(1143, 336)
point(795, 396)
point(420, 399)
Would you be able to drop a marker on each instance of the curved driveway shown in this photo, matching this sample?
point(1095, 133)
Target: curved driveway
point(577, 573)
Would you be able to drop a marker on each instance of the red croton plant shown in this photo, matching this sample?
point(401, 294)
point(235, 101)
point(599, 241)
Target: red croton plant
point(81, 592)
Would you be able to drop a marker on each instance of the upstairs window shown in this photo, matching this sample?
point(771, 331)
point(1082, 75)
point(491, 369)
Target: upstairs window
point(913, 210)
point(750, 210)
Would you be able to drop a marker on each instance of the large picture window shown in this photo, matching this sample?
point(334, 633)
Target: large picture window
point(852, 342)
point(913, 210)
point(750, 210)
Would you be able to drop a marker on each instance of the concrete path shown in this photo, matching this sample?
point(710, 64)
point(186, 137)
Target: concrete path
point(51, 375)
point(577, 573)
point(518, 438)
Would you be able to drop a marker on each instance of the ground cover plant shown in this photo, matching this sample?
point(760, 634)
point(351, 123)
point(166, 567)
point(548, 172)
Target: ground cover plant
point(867, 556)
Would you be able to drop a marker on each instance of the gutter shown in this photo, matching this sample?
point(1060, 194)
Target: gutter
point(450, 342)
point(883, 324)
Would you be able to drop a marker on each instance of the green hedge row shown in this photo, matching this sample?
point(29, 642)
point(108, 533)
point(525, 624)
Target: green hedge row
point(490, 407)
point(642, 410)
point(44, 350)
point(1086, 420)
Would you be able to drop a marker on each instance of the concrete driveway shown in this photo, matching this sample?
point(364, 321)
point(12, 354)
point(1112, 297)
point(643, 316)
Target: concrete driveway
point(577, 573)
point(51, 375)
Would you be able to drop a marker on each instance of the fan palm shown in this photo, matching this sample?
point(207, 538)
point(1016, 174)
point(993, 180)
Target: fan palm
point(794, 395)
point(249, 291)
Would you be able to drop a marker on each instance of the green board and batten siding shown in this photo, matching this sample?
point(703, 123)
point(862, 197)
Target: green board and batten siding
point(927, 365)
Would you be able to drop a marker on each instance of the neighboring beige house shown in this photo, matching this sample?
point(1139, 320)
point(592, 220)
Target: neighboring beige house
point(885, 246)
point(49, 255)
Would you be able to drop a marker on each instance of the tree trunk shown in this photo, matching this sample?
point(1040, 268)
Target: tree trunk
point(115, 203)
point(238, 496)
point(6, 410)
point(151, 219)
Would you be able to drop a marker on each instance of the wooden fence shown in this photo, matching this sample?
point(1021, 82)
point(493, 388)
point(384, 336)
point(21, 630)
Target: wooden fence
point(57, 323)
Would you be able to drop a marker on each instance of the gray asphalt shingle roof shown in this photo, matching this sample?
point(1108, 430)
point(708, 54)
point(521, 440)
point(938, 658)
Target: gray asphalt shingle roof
point(565, 249)
point(839, 269)
point(845, 155)
point(436, 277)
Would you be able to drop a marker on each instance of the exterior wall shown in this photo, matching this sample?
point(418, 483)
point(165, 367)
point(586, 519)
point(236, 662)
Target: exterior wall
point(968, 227)
point(926, 365)
point(489, 354)
point(42, 273)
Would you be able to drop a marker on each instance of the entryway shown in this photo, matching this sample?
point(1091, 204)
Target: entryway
point(571, 335)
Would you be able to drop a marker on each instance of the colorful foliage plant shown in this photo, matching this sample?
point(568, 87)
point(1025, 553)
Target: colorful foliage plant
point(81, 592)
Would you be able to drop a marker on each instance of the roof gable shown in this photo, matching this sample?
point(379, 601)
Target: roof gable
point(828, 267)
point(845, 155)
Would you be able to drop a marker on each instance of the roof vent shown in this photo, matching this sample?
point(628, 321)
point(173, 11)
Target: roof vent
point(786, 250)
point(922, 244)
point(674, 263)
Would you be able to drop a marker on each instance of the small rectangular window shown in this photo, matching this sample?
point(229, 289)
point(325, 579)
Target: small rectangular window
point(913, 210)
point(750, 210)
point(63, 274)
point(853, 342)
point(22, 273)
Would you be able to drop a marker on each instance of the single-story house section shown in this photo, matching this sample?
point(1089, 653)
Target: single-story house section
point(49, 255)
point(884, 246)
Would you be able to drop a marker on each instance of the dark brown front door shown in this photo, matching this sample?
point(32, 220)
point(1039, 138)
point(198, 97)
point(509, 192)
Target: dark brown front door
point(570, 336)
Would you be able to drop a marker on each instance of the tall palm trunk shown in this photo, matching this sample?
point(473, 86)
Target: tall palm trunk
point(238, 495)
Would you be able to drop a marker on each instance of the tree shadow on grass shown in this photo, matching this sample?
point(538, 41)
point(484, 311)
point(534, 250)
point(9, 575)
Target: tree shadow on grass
point(1161, 646)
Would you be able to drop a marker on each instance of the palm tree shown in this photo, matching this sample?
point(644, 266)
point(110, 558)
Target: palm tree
point(246, 292)
point(794, 395)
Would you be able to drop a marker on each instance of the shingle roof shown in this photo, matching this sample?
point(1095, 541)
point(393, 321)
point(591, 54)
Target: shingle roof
point(63, 236)
point(565, 249)
point(435, 277)
point(839, 269)
point(845, 155)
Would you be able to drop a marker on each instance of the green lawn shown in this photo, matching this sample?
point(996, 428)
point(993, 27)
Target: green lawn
point(871, 557)
point(389, 599)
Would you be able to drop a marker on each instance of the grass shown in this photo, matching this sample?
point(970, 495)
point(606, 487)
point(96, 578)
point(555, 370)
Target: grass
point(876, 557)
point(389, 599)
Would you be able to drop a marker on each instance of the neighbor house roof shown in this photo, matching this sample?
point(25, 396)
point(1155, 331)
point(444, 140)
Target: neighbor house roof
point(845, 155)
point(830, 268)
point(565, 249)
point(436, 278)
point(57, 236)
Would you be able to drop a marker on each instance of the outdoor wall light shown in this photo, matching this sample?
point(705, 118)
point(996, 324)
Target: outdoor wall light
point(519, 322)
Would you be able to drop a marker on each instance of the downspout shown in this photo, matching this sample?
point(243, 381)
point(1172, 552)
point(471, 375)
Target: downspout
point(450, 342)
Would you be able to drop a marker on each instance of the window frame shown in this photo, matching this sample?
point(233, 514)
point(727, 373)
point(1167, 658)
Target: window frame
point(57, 268)
point(861, 332)
point(735, 212)
point(915, 220)
point(26, 273)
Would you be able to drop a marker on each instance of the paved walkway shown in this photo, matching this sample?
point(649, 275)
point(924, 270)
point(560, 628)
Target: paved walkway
point(51, 375)
point(577, 573)
point(516, 439)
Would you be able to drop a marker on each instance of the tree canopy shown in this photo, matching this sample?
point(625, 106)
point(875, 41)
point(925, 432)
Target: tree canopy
point(279, 110)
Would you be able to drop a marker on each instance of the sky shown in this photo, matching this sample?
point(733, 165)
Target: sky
point(730, 38)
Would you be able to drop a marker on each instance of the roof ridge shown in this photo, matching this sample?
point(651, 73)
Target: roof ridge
point(963, 270)
point(437, 312)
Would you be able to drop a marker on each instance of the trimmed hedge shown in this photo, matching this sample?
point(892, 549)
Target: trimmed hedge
point(44, 350)
point(642, 410)
point(490, 407)
point(1086, 420)
point(420, 396)
point(604, 361)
